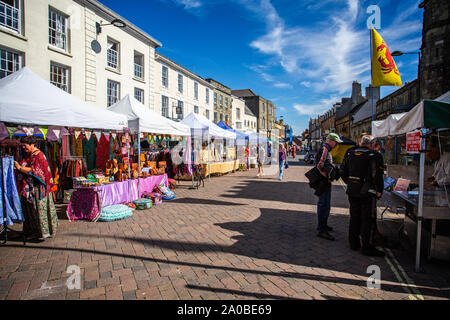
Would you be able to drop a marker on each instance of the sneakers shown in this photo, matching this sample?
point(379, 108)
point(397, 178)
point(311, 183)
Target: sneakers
point(325, 235)
point(372, 252)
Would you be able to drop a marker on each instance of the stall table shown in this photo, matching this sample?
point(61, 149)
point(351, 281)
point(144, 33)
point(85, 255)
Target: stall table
point(86, 202)
point(437, 246)
point(220, 167)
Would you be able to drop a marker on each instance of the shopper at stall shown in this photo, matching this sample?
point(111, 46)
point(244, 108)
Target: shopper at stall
point(281, 160)
point(34, 183)
point(362, 171)
point(324, 163)
point(294, 149)
point(247, 156)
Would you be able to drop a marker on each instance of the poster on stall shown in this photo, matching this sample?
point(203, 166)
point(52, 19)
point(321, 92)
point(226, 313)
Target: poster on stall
point(413, 142)
point(402, 185)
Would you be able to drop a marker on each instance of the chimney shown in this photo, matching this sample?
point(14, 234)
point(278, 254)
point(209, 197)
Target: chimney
point(373, 93)
point(356, 93)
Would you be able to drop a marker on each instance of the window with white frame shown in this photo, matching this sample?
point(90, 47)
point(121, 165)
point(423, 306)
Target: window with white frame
point(113, 54)
point(264, 107)
point(138, 65)
point(139, 95)
point(215, 97)
point(180, 110)
point(180, 83)
point(215, 117)
point(221, 100)
point(207, 114)
point(196, 109)
point(58, 29)
point(221, 117)
point(60, 76)
point(11, 15)
point(263, 124)
point(165, 76)
point(207, 96)
point(226, 101)
point(10, 62)
point(165, 106)
point(238, 113)
point(196, 90)
point(113, 93)
point(238, 125)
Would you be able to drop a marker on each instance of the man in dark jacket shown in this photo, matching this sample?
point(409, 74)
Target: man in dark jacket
point(324, 163)
point(362, 171)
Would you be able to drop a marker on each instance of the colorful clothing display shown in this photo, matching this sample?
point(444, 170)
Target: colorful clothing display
point(89, 152)
point(8, 188)
point(85, 205)
point(102, 153)
point(77, 146)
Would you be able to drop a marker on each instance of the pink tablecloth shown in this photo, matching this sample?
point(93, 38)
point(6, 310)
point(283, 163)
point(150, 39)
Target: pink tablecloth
point(119, 192)
point(108, 195)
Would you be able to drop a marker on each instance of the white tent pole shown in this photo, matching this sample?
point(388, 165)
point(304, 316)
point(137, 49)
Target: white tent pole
point(129, 170)
point(209, 161)
point(139, 163)
point(420, 204)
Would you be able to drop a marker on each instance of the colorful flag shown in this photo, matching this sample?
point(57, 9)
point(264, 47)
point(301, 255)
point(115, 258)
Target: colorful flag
point(384, 69)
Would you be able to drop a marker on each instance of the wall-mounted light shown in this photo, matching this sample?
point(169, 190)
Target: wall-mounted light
point(116, 23)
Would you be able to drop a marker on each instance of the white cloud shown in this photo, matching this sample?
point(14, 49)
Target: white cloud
point(267, 77)
point(306, 84)
point(189, 4)
point(315, 109)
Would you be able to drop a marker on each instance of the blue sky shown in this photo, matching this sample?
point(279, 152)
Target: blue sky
point(301, 54)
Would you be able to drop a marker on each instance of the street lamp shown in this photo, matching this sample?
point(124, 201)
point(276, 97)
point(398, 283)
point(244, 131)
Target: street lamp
point(116, 23)
point(400, 53)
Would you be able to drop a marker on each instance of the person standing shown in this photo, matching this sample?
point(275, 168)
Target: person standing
point(362, 171)
point(34, 183)
point(294, 148)
point(324, 163)
point(261, 154)
point(281, 160)
point(247, 155)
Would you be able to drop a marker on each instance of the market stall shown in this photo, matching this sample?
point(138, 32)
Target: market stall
point(86, 146)
point(209, 144)
point(425, 130)
point(148, 127)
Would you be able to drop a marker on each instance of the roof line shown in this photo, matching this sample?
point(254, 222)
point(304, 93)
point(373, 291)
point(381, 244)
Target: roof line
point(113, 14)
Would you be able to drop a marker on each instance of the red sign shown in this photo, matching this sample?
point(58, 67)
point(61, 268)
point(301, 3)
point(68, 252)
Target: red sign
point(413, 142)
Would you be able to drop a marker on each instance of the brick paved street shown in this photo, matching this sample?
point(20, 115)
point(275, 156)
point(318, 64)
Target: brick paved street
point(238, 238)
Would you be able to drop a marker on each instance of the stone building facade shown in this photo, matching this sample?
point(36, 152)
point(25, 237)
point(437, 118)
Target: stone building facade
point(401, 100)
point(435, 64)
point(54, 39)
point(222, 102)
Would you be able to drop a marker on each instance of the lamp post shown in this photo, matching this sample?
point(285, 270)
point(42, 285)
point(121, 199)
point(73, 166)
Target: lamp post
point(419, 54)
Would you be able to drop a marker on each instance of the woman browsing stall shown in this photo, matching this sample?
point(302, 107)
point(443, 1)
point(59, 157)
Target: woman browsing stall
point(34, 183)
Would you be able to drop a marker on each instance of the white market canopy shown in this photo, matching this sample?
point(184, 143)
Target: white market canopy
point(142, 119)
point(199, 123)
point(26, 98)
point(255, 138)
point(426, 114)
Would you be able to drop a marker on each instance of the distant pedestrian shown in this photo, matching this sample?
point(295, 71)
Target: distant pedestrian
point(324, 163)
point(294, 149)
point(247, 155)
point(281, 160)
point(261, 155)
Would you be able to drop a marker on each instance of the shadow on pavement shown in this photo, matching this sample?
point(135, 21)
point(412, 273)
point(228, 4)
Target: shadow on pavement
point(205, 201)
point(240, 293)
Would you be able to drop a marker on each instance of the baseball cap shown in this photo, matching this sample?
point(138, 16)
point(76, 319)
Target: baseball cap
point(334, 137)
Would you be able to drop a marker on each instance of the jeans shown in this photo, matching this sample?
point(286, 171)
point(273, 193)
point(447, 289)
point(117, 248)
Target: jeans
point(281, 168)
point(323, 209)
point(248, 163)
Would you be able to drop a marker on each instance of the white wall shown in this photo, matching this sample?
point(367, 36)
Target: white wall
point(187, 96)
point(89, 73)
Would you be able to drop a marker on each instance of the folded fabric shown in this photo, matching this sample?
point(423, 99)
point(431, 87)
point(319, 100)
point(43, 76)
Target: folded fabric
point(84, 205)
point(115, 212)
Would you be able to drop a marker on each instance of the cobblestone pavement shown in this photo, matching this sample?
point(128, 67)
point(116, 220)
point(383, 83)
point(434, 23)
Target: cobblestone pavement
point(240, 237)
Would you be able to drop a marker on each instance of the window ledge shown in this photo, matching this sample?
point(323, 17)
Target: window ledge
point(139, 80)
point(51, 48)
point(12, 33)
point(113, 70)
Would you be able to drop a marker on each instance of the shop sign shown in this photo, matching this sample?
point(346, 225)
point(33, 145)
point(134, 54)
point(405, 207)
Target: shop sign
point(413, 142)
